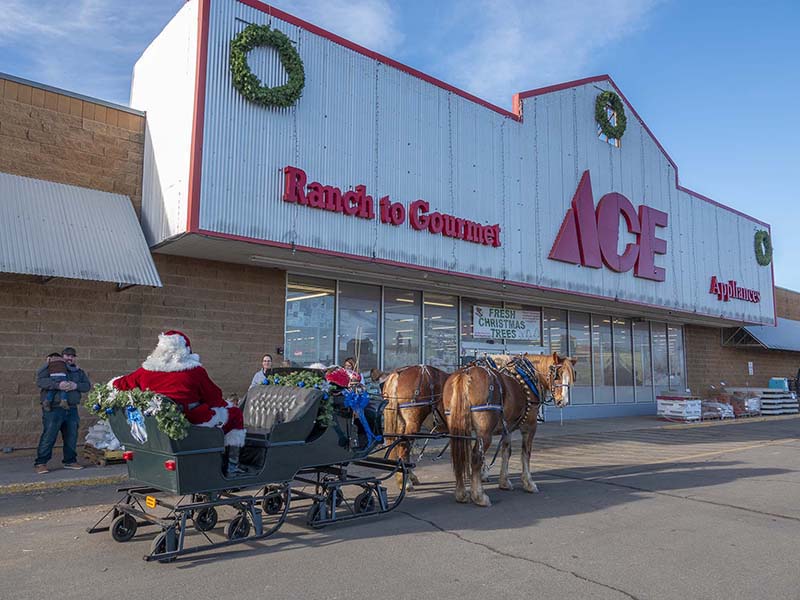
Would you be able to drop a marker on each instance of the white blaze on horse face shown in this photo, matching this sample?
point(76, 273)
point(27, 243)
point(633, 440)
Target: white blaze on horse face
point(565, 390)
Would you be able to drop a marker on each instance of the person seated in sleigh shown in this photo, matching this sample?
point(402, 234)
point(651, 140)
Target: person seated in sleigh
point(172, 370)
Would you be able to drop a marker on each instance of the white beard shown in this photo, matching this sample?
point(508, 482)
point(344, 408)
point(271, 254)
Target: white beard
point(170, 355)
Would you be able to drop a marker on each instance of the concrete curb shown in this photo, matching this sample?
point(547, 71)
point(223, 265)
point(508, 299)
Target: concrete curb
point(40, 486)
point(739, 421)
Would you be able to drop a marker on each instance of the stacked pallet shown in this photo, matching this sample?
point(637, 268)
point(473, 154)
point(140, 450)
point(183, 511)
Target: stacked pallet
point(773, 401)
point(102, 457)
point(679, 408)
point(778, 402)
point(717, 410)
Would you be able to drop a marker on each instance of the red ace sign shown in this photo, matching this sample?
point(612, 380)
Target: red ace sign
point(590, 237)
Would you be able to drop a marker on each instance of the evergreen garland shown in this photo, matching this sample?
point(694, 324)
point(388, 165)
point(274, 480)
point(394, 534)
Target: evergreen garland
point(251, 86)
point(101, 402)
point(609, 98)
point(310, 379)
point(763, 244)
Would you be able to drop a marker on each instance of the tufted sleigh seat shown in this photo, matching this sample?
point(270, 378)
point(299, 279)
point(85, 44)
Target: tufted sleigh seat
point(271, 408)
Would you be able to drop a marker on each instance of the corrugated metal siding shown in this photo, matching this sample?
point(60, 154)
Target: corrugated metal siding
point(362, 122)
point(163, 85)
point(57, 230)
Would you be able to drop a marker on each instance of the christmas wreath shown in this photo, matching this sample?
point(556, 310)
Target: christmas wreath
point(251, 86)
point(763, 245)
point(605, 99)
point(104, 400)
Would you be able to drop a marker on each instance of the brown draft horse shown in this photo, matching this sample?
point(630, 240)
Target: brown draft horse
point(487, 401)
point(412, 394)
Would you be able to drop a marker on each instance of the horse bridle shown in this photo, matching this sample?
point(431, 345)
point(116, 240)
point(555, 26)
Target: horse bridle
point(555, 375)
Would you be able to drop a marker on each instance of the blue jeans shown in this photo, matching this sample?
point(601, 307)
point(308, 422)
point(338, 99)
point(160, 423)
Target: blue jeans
point(51, 395)
point(65, 421)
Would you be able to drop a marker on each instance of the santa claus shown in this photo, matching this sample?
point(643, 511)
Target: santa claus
point(173, 371)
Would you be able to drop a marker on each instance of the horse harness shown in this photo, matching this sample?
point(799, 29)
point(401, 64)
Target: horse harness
point(432, 400)
point(520, 369)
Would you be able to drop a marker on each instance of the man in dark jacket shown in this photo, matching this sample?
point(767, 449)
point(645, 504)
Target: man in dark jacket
point(61, 419)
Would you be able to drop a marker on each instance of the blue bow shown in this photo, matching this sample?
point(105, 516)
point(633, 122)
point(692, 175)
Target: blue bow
point(357, 402)
point(136, 421)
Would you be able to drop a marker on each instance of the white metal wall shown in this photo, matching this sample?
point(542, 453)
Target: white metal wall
point(57, 230)
point(360, 121)
point(164, 86)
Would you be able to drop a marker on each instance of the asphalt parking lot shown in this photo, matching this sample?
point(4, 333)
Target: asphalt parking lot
point(684, 512)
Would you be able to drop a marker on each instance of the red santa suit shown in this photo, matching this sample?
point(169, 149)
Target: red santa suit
point(173, 371)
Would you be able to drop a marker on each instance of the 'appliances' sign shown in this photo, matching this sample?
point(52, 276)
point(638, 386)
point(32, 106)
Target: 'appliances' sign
point(726, 291)
point(357, 203)
point(505, 323)
point(590, 237)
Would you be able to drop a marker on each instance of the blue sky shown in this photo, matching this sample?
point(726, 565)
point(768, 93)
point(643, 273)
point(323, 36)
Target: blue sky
point(716, 81)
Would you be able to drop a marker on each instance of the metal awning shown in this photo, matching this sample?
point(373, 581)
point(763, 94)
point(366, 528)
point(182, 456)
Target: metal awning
point(56, 230)
point(786, 336)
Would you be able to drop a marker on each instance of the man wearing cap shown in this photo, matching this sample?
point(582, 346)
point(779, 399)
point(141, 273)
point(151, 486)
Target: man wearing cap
point(59, 419)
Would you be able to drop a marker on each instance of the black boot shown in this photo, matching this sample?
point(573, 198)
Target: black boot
point(233, 461)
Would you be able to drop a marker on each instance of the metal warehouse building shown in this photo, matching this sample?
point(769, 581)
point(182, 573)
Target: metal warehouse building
point(382, 214)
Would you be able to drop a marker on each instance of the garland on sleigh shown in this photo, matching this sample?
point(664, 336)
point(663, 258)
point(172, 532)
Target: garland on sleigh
point(104, 400)
point(330, 384)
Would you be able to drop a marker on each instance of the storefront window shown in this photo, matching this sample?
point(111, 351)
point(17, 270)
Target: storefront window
point(533, 344)
point(642, 368)
point(472, 347)
point(658, 332)
point(580, 348)
point(602, 360)
point(677, 375)
point(554, 325)
point(441, 331)
point(623, 360)
point(401, 322)
point(309, 321)
point(359, 323)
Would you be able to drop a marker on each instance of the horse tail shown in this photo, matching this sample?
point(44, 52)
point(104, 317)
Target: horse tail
point(460, 422)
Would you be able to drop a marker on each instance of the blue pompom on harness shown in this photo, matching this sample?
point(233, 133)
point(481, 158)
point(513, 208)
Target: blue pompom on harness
point(357, 402)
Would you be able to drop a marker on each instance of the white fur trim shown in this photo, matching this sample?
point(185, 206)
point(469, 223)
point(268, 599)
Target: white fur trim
point(112, 393)
point(171, 355)
point(235, 437)
point(220, 416)
point(218, 420)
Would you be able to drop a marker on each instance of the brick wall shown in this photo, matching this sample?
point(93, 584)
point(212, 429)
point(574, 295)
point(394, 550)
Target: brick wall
point(232, 313)
point(708, 362)
point(787, 303)
point(60, 138)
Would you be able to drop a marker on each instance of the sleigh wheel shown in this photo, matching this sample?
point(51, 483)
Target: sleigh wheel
point(238, 528)
point(205, 519)
point(365, 502)
point(273, 503)
point(123, 528)
point(161, 545)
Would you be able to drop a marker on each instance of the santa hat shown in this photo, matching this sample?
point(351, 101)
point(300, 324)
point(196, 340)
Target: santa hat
point(173, 353)
point(181, 334)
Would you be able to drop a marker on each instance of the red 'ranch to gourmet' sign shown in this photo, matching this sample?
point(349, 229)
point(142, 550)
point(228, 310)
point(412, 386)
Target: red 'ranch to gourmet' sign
point(356, 203)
